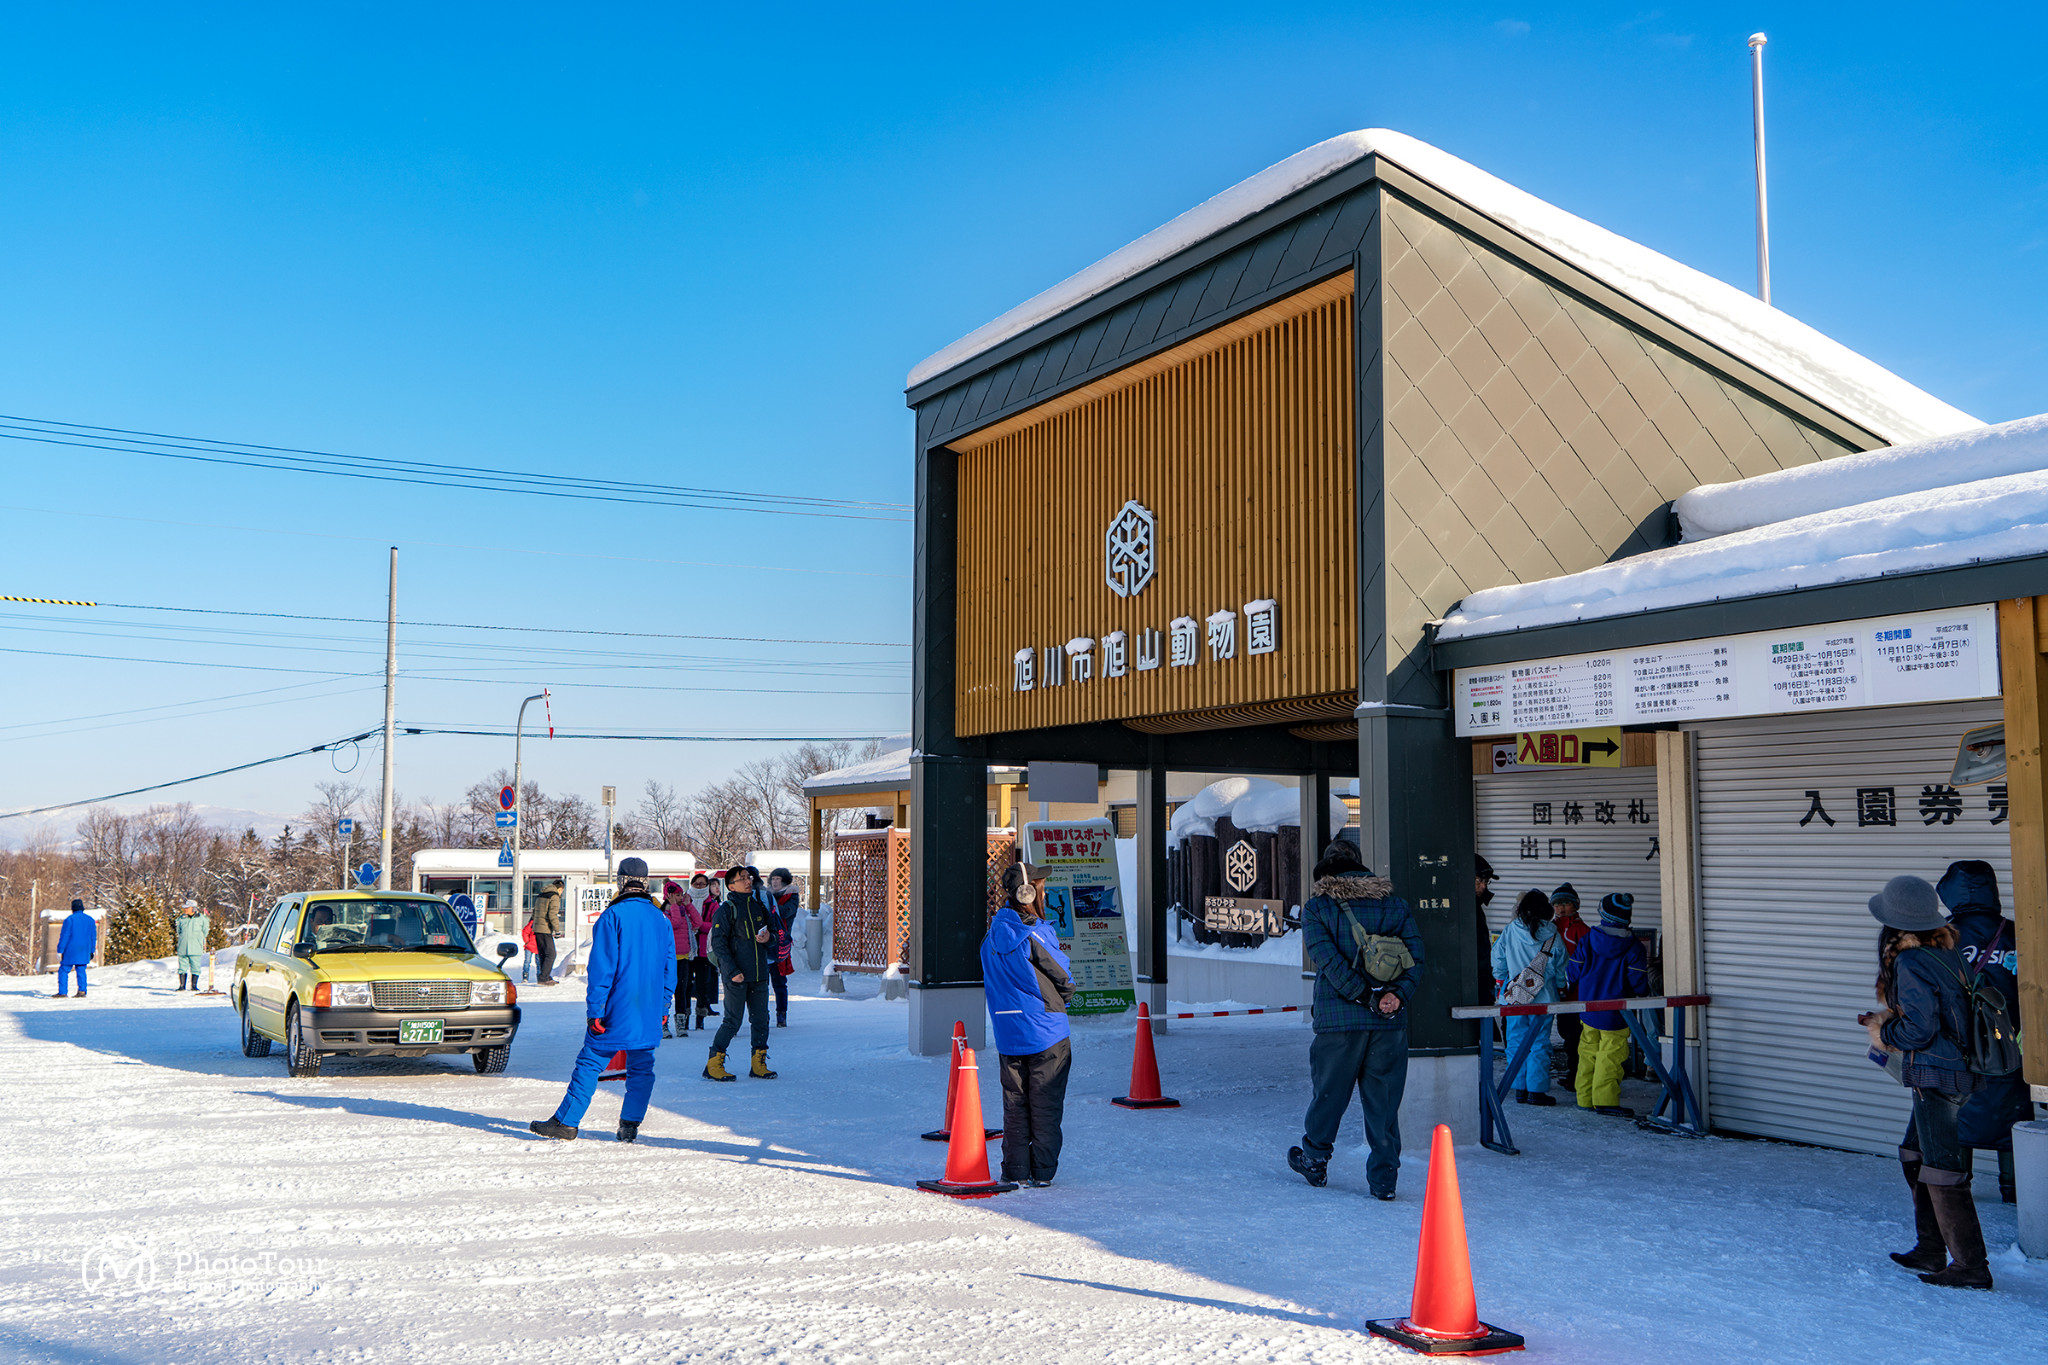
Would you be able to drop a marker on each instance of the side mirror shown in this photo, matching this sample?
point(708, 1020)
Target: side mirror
point(304, 950)
point(506, 950)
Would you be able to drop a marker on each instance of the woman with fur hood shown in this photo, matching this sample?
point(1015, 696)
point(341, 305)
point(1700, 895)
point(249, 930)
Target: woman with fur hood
point(1368, 958)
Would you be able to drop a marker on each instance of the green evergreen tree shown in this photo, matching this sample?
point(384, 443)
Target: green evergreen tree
point(140, 929)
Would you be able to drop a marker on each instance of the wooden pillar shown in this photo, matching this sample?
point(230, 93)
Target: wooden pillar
point(2025, 676)
point(817, 851)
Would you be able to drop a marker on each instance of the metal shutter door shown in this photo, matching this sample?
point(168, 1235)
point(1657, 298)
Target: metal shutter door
point(1598, 858)
point(1787, 945)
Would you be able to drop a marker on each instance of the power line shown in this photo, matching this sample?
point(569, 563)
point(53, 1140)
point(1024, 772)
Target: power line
point(182, 781)
point(420, 473)
point(681, 739)
point(459, 625)
point(450, 545)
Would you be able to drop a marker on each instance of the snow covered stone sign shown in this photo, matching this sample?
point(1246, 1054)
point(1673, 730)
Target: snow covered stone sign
point(1882, 661)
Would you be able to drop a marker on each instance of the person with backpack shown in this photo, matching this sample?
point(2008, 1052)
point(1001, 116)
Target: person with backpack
point(1985, 938)
point(1610, 963)
point(1367, 953)
point(1921, 1037)
point(1529, 969)
point(743, 943)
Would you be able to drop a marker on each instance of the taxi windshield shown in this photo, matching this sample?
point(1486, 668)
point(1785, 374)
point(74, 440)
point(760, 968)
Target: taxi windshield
point(393, 926)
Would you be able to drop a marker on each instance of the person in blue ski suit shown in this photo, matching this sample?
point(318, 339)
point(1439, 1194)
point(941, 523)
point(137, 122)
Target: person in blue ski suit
point(1529, 939)
point(1610, 963)
point(1985, 938)
point(631, 974)
point(1028, 982)
point(77, 941)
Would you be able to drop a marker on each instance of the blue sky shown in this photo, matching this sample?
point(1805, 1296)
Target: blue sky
point(687, 247)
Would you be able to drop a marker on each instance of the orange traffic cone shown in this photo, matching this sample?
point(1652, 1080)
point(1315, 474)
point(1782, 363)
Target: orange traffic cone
point(944, 1131)
point(1145, 1071)
point(615, 1069)
point(1443, 1315)
point(967, 1153)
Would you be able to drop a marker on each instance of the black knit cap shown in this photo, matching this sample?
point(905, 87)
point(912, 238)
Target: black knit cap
point(1567, 892)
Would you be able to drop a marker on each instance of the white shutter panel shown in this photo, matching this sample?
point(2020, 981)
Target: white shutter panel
point(1787, 945)
point(1594, 856)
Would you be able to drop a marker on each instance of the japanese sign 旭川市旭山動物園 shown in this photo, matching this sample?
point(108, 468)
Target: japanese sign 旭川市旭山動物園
point(1186, 643)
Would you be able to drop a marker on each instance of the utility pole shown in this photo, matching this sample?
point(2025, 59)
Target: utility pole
point(390, 718)
point(1763, 203)
point(611, 800)
point(519, 821)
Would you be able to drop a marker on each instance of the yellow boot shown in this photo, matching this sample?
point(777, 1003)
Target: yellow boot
point(761, 1070)
point(714, 1070)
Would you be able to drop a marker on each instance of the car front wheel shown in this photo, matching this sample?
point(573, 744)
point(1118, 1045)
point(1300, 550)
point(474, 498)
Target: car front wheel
point(301, 1059)
point(254, 1044)
point(491, 1061)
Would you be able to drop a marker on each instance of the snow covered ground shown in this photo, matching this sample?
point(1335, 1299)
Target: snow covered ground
point(399, 1210)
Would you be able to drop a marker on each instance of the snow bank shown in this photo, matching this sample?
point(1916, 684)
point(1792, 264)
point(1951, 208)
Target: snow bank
point(1753, 331)
point(1717, 509)
point(1990, 519)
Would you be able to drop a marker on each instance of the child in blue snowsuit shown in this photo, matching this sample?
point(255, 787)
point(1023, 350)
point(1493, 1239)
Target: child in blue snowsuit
point(1610, 963)
point(1530, 941)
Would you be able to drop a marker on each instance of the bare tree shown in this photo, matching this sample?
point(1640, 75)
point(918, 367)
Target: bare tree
point(659, 821)
point(322, 847)
point(240, 873)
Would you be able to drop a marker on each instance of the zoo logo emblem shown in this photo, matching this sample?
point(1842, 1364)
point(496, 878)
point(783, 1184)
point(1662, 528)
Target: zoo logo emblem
point(1241, 866)
point(123, 1261)
point(1128, 553)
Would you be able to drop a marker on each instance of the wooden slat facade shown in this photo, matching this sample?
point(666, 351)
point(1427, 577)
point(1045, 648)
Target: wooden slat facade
point(1241, 444)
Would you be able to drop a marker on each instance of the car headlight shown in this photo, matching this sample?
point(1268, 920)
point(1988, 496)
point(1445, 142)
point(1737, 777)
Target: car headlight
point(351, 992)
point(486, 992)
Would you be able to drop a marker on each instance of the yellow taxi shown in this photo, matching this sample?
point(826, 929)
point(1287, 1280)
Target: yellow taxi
point(371, 973)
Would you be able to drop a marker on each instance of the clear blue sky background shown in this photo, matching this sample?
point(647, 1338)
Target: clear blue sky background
point(681, 246)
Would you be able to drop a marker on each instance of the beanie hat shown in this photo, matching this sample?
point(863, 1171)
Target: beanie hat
point(635, 868)
point(1567, 892)
point(671, 885)
point(1907, 903)
point(1340, 859)
point(1617, 907)
point(77, 906)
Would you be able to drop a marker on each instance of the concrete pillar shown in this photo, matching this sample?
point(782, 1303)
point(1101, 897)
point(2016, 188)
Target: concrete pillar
point(1148, 898)
point(2030, 1173)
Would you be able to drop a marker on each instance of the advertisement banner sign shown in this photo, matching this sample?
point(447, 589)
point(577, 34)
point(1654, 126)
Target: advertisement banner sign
point(1084, 902)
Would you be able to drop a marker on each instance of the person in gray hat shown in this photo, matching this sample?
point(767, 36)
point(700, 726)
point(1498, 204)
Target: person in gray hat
point(1918, 1036)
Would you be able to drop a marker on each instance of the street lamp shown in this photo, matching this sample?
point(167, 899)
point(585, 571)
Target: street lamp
point(1763, 210)
point(518, 828)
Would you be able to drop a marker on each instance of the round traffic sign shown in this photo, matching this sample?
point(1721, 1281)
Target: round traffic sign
point(465, 909)
point(507, 798)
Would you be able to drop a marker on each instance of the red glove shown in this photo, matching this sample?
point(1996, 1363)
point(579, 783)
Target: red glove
point(597, 1026)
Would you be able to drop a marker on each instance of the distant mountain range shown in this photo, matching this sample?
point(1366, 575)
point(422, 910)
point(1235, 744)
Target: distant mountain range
point(63, 826)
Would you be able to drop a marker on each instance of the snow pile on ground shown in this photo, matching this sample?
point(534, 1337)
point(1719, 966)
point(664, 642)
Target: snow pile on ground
point(1730, 318)
point(399, 1210)
point(1935, 528)
point(1716, 509)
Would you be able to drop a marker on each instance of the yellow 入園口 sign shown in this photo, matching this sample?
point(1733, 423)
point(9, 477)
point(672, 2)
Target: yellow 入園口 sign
point(1597, 747)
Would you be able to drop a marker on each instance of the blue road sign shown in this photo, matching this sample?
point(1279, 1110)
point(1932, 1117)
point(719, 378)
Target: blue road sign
point(505, 854)
point(367, 874)
point(507, 798)
point(507, 819)
point(465, 909)
point(345, 826)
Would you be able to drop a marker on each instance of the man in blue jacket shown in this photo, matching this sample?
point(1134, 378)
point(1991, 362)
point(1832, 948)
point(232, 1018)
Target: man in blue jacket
point(631, 971)
point(1367, 953)
point(1985, 938)
point(1026, 978)
point(76, 943)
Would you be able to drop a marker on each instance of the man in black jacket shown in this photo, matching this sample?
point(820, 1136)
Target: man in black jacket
point(1985, 938)
point(743, 944)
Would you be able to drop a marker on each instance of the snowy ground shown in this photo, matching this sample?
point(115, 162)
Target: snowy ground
point(399, 1210)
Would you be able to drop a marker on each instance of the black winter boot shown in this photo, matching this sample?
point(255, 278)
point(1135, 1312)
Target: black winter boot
point(181, 981)
point(667, 1027)
point(1316, 1173)
point(629, 1130)
point(1956, 1212)
point(2008, 1187)
point(553, 1128)
point(1929, 1252)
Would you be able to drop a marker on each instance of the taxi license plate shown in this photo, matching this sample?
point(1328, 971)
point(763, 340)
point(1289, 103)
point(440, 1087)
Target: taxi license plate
point(415, 1032)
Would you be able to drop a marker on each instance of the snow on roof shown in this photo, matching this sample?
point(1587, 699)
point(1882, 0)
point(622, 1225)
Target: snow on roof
point(893, 766)
point(1938, 526)
point(1777, 344)
point(1716, 509)
point(430, 862)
